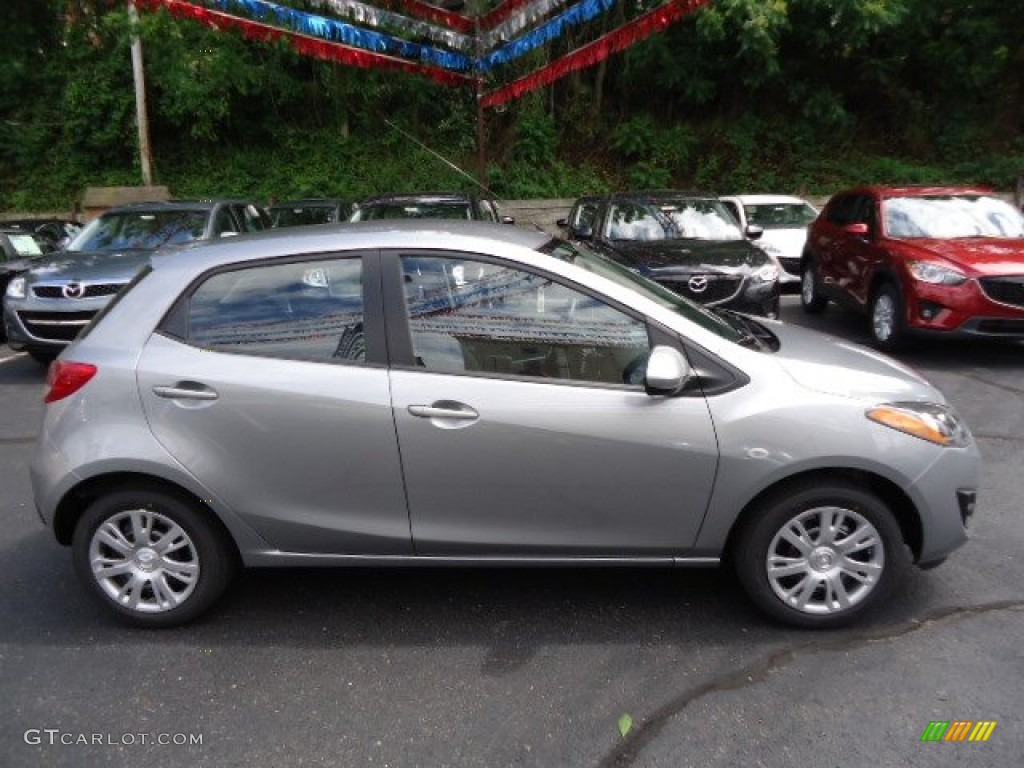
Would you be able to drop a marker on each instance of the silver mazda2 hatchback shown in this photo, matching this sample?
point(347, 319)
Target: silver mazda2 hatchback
point(458, 393)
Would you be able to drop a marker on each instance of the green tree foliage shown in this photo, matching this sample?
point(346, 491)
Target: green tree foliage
point(744, 95)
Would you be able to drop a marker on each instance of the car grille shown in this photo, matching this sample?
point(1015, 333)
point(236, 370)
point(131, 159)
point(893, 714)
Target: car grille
point(718, 288)
point(55, 326)
point(1006, 290)
point(88, 291)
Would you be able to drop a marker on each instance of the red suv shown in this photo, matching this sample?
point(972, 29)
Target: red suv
point(947, 260)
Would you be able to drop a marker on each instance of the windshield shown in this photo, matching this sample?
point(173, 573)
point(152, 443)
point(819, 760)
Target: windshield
point(780, 215)
point(438, 209)
point(25, 245)
point(581, 256)
point(301, 215)
point(671, 219)
point(139, 230)
point(951, 216)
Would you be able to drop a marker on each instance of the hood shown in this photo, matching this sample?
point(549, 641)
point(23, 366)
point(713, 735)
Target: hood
point(981, 255)
point(90, 266)
point(14, 266)
point(689, 256)
point(833, 366)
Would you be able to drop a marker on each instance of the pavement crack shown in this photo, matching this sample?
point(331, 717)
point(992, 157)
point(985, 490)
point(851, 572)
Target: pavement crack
point(628, 749)
point(17, 440)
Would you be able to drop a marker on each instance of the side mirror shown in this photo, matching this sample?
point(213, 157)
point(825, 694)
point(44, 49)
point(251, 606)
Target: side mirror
point(508, 220)
point(667, 372)
point(860, 229)
point(754, 231)
point(562, 223)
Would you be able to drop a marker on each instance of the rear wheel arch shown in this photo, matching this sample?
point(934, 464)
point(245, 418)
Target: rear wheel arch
point(74, 503)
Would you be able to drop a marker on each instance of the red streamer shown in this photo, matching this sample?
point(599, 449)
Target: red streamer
point(308, 46)
point(455, 21)
point(500, 12)
point(592, 53)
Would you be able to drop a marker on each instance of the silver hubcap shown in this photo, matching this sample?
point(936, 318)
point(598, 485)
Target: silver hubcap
point(883, 317)
point(825, 560)
point(807, 286)
point(144, 561)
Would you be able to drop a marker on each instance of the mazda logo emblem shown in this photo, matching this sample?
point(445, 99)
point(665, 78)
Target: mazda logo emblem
point(698, 284)
point(73, 291)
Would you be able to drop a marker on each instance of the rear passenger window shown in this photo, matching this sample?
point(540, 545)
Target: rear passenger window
point(306, 310)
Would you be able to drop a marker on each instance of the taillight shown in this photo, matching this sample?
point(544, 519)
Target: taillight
point(65, 378)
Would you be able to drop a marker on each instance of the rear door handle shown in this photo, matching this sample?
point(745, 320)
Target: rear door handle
point(185, 391)
point(452, 411)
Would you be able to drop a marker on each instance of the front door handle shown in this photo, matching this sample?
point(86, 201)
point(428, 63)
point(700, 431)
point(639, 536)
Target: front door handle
point(445, 411)
point(184, 390)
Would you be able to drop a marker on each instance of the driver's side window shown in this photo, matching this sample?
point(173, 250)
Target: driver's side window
point(469, 316)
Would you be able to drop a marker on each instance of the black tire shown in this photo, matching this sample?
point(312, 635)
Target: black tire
point(151, 574)
point(820, 575)
point(887, 318)
point(810, 288)
point(41, 356)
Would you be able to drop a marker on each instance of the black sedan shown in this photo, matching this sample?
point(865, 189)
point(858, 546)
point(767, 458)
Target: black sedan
point(18, 251)
point(689, 243)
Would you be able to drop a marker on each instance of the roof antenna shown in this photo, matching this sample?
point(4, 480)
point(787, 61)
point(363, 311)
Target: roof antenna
point(440, 157)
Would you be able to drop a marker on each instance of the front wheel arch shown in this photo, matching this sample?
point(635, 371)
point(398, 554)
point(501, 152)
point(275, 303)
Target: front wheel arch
point(896, 499)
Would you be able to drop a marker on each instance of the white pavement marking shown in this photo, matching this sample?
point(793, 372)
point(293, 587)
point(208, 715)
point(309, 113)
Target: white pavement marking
point(14, 356)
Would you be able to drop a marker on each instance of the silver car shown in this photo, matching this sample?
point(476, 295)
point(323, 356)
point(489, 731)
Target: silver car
point(459, 393)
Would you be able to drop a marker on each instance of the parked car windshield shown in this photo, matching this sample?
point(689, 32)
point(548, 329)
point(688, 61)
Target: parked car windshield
point(297, 216)
point(25, 245)
point(414, 210)
point(780, 215)
point(142, 230)
point(671, 219)
point(582, 256)
point(951, 216)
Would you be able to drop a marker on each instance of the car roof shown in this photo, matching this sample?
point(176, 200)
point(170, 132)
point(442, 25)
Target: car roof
point(764, 199)
point(418, 197)
point(915, 190)
point(202, 204)
point(311, 202)
point(456, 235)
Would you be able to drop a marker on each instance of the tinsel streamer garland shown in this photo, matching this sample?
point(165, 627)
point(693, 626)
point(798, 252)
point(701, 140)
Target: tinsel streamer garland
point(430, 12)
point(512, 25)
point(550, 30)
point(596, 51)
point(342, 32)
point(309, 46)
point(372, 16)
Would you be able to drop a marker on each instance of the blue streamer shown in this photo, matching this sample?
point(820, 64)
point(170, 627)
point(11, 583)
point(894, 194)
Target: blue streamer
point(340, 32)
point(549, 30)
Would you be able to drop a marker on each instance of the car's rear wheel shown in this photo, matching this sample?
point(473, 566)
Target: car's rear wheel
point(810, 289)
point(820, 555)
point(888, 328)
point(153, 558)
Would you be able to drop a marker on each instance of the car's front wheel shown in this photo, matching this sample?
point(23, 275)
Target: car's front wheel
point(153, 558)
point(820, 554)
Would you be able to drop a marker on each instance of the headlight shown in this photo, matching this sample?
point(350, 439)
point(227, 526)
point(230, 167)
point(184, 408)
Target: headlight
point(935, 423)
point(767, 273)
point(928, 272)
point(16, 288)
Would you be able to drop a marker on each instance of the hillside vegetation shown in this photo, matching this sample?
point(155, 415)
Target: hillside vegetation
point(744, 95)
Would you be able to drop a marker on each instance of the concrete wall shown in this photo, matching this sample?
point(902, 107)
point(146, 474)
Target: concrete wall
point(540, 213)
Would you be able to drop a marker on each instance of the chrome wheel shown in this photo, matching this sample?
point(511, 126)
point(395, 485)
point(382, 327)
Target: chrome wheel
point(807, 285)
point(144, 561)
point(825, 560)
point(883, 317)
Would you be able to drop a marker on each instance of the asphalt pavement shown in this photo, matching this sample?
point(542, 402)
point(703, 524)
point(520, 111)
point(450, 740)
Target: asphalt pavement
point(511, 667)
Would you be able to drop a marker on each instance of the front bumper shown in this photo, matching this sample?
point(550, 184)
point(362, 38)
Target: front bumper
point(962, 311)
point(947, 492)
